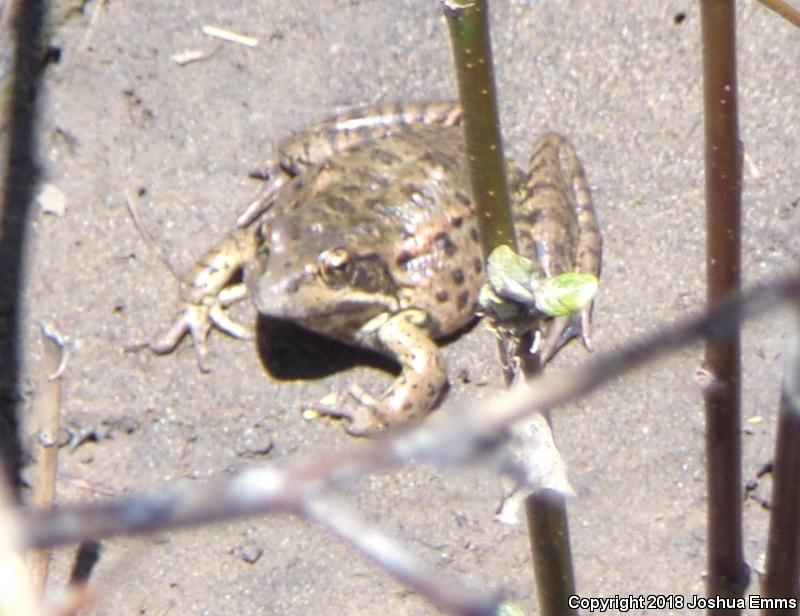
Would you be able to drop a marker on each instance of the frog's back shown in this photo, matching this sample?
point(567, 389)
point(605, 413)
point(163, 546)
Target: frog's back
point(404, 199)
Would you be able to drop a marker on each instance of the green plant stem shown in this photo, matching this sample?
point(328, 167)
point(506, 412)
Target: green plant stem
point(469, 33)
point(548, 528)
point(783, 548)
point(472, 52)
point(727, 571)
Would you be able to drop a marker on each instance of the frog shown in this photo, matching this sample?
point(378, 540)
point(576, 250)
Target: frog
point(366, 232)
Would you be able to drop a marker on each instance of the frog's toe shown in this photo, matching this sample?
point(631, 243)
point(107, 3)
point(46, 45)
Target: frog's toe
point(195, 321)
point(585, 326)
point(170, 339)
point(228, 325)
point(361, 420)
point(563, 329)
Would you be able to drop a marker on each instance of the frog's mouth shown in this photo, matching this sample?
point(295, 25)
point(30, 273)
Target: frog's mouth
point(318, 307)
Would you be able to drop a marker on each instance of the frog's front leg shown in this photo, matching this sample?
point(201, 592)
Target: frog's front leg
point(205, 293)
point(422, 379)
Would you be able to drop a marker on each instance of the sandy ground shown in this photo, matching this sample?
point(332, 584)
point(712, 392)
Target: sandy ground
point(119, 115)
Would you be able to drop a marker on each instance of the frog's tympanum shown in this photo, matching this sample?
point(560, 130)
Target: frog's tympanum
point(367, 233)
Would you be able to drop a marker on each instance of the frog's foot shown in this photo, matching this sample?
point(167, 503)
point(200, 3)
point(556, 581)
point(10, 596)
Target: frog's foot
point(197, 319)
point(361, 420)
point(205, 293)
point(563, 329)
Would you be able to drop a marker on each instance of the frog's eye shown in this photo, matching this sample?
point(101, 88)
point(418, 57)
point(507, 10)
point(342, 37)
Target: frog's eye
point(336, 266)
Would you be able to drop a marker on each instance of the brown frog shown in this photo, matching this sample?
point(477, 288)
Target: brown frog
point(367, 233)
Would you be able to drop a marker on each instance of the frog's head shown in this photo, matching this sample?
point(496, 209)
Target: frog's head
point(317, 279)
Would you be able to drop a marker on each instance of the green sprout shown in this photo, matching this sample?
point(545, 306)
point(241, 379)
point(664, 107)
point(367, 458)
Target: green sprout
point(514, 278)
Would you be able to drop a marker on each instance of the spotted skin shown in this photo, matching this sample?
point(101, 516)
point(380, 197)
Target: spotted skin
point(366, 233)
point(556, 222)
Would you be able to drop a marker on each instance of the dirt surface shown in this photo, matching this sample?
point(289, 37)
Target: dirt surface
point(119, 114)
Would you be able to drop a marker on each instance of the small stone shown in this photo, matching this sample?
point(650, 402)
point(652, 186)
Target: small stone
point(52, 200)
point(248, 553)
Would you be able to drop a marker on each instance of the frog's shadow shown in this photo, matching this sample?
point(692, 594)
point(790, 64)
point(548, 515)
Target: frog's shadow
point(289, 352)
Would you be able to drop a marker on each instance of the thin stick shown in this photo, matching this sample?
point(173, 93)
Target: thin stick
point(157, 248)
point(447, 438)
point(546, 512)
point(785, 10)
point(16, 592)
point(231, 37)
point(727, 572)
point(780, 581)
point(92, 23)
point(48, 412)
point(391, 556)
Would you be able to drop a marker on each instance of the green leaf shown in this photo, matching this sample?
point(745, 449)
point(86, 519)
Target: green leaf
point(501, 308)
point(566, 293)
point(510, 274)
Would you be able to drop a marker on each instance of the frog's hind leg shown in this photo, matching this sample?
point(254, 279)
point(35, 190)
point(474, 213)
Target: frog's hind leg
point(206, 292)
point(587, 246)
point(339, 133)
point(404, 337)
point(313, 146)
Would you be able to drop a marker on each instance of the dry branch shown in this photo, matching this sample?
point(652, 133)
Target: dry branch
point(447, 438)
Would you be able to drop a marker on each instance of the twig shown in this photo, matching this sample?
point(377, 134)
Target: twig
point(727, 571)
point(783, 548)
point(48, 412)
point(231, 37)
point(92, 23)
point(785, 10)
point(157, 248)
point(10, 11)
point(468, 23)
point(392, 557)
point(16, 592)
point(446, 438)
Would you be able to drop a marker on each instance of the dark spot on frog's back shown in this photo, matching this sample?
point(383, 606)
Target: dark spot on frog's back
point(542, 185)
point(340, 204)
point(458, 276)
point(463, 198)
point(385, 156)
point(536, 168)
point(463, 299)
point(414, 193)
point(437, 158)
point(442, 296)
point(443, 240)
point(475, 235)
point(535, 216)
point(403, 258)
point(369, 178)
point(477, 264)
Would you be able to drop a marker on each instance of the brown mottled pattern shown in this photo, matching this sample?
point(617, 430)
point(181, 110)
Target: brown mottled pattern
point(366, 233)
point(214, 269)
point(406, 217)
point(360, 125)
point(555, 219)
